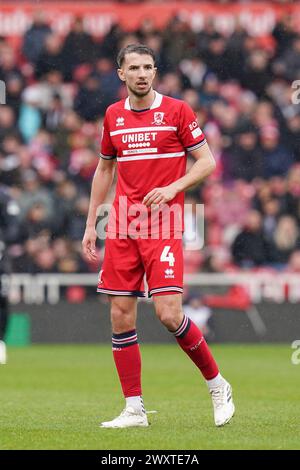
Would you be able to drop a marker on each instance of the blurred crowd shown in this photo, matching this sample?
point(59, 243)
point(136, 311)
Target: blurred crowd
point(240, 86)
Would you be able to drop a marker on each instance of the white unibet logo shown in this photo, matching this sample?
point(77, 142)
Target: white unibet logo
point(140, 137)
point(120, 121)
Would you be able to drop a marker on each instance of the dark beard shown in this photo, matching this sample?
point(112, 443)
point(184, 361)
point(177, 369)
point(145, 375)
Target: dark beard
point(139, 94)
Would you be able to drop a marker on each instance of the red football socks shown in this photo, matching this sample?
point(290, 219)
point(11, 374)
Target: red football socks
point(127, 358)
point(127, 355)
point(191, 340)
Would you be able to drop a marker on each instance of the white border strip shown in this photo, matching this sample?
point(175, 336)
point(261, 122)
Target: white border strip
point(195, 147)
point(165, 289)
point(124, 340)
point(182, 327)
point(136, 130)
point(156, 103)
point(118, 292)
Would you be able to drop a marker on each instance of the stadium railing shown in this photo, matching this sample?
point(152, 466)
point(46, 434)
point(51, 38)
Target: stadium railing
point(47, 288)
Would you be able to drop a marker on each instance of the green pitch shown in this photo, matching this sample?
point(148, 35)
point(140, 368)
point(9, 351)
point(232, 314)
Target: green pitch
point(54, 397)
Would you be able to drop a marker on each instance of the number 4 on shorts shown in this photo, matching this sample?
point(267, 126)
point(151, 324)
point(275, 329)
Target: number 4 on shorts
point(168, 256)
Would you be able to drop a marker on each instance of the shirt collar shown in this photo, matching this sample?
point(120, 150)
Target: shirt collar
point(156, 103)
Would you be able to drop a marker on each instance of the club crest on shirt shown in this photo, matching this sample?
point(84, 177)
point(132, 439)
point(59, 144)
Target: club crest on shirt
point(119, 121)
point(158, 118)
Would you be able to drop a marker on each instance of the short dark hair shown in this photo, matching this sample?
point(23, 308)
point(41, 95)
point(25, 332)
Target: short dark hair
point(134, 48)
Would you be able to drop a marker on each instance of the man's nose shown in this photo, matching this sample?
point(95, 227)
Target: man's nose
point(142, 72)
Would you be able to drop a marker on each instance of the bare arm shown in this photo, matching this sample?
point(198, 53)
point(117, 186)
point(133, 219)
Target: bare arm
point(101, 184)
point(201, 169)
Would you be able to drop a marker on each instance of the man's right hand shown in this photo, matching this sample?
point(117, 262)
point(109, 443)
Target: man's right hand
point(89, 243)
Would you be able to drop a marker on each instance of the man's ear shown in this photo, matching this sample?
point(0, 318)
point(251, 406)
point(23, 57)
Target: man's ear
point(121, 74)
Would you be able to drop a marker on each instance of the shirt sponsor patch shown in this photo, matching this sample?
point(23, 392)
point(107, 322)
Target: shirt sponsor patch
point(196, 132)
point(135, 151)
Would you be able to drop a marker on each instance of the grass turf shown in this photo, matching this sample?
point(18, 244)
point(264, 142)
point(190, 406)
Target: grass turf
point(53, 397)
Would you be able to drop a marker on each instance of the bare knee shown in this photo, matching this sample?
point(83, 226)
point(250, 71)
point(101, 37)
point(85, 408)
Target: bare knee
point(169, 312)
point(123, 314)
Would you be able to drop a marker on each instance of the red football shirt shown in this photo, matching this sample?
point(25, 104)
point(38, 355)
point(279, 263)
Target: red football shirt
point(151, 149)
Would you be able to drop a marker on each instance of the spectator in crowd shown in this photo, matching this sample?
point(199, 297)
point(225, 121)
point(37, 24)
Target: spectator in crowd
point(110, 43)
point(7, 122)
point(291, 197)
point(51, 57)
point(210, 91)
point(284, 34)
point(63, 139)
point(54, 115)
point(271, 212)
point(10, 171)
point(217, 58)
point(198, 313)
point(104, 70)
point(30, 119)
point(23, 261)
point(249, 249)
point(178, 43)
point(90, 102)
point(246, 158)
point(35, 36)
point(37, 221)
point(8, 63)
point(44, 261)
point(288, 64)
point(277, 159)
point(285, 241)
point(293, 126)
point(257, 75)
point(294, 263)
point(64, 197)
point(14, 87)
point(33, 192)
point(77, 224)
point(78, 48)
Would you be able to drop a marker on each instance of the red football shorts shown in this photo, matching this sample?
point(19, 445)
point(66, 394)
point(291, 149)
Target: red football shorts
point(126, 261)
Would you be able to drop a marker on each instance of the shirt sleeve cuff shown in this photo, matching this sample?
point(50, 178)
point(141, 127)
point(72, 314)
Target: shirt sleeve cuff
point(196, 146)
point(107, 157)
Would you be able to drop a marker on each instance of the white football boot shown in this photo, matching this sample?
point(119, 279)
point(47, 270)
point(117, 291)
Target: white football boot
point(3, 356)
point(223, 404)
point(127, 419)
